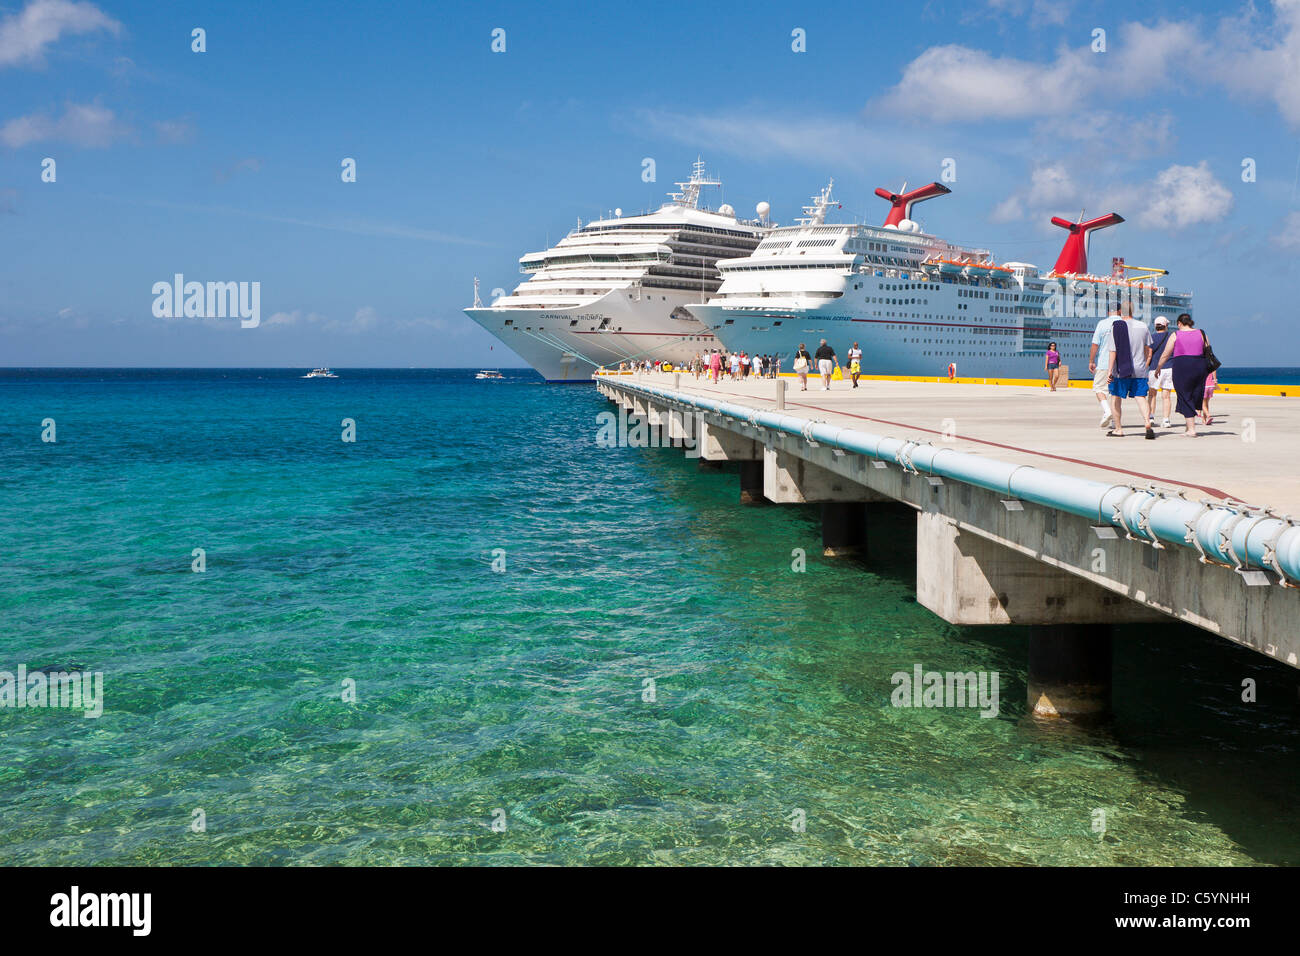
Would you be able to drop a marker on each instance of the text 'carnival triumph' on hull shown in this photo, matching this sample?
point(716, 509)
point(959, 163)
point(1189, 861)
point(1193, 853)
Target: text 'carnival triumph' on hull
point(616, 290)
point(915, 303)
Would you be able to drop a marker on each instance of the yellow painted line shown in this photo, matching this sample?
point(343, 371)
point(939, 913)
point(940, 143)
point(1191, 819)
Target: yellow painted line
point(1275, 391)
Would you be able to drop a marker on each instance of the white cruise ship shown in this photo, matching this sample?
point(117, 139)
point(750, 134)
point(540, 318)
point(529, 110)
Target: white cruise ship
point(915, 303)
point(616, 290)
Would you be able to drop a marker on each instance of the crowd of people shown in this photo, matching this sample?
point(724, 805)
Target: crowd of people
point(716, 364)
point(1175, 367)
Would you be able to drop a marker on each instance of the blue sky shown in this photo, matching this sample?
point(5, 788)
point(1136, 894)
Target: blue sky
point(225, 165)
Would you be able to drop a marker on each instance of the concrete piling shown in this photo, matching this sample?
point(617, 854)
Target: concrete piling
point(1070, 671)
point(844, 529)
point(751, 483)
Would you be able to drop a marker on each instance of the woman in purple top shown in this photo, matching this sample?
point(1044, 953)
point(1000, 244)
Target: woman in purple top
point(1185, 354)
point(1052, 364)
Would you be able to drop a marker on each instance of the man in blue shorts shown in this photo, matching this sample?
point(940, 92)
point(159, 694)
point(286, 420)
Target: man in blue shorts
point(1130, 360)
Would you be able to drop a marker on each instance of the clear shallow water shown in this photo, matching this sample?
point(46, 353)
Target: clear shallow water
point(522, 691)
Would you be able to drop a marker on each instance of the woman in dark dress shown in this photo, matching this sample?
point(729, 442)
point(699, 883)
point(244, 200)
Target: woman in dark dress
point(1185, 354)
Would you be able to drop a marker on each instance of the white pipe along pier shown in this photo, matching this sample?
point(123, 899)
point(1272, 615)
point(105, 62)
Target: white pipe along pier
point(1001, 540)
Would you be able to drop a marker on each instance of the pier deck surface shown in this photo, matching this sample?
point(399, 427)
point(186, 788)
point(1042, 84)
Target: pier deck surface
point(1056, 431)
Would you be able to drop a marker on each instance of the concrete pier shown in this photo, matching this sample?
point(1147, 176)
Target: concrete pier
point(1003, 535)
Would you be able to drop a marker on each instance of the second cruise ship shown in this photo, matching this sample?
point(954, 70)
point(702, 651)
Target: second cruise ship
point(616, 289)
point(917, 304)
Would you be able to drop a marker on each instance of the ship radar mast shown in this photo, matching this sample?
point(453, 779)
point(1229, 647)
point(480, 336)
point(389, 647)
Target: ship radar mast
point(815, 214)
point(478, 303)
point(690, 190)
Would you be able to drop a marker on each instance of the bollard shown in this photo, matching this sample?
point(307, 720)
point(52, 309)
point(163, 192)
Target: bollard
point(780, 394)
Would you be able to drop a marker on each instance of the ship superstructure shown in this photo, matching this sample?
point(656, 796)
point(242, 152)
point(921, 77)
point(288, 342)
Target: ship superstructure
point(616, 289)
point(916, 303)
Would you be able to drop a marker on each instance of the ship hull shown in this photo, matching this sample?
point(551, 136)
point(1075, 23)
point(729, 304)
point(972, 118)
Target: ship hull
point(569, 344)
point(895, 345)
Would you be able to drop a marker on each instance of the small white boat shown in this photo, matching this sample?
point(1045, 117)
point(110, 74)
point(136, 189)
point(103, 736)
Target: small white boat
point(489, 373)
point(320, 373)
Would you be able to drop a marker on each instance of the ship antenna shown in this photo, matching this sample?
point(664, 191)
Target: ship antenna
point(478, 303)
point(690, 190)
point(815, 214)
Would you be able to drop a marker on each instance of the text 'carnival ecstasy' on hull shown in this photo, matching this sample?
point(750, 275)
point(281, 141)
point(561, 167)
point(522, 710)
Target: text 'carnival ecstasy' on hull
point(616, 290)
point(915, 303)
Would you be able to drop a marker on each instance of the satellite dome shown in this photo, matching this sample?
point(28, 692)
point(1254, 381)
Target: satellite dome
point(618, 213)
point(726, 210)
point(763, 209)
point(906, 225)
point(890, 225)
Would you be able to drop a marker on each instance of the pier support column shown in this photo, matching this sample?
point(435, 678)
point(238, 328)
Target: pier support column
point(966, 578)
point(1069, 670)
point(789, 479)
point(844, 529)
point(751, 483)
point(719, 444)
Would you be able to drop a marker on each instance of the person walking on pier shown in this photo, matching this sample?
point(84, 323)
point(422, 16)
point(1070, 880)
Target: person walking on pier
point(826, 362)
point(855, 363)
point(1130, 360)
point(1098, 364)
point(1211, 383)
point(1185, 354)
point(1161, 383)
point(1052, 363)
point(715, 364)
point(802, 362)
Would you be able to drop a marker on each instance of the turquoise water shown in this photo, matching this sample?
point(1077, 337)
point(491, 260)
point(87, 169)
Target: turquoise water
point(522, 691)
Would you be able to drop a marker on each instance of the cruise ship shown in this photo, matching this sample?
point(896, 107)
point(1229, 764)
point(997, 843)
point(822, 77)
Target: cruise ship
point(616, 290)
point(917, 304)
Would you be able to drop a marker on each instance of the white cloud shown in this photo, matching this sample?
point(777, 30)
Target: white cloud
point(1051, 189)
point(175, 132)
point(381, 230)
point(1038, 12)
point(1243, 55)
point(836, 143)
point(25, 35)
point(1183, 196)
point(954, 82)
point(1289, 235)
point(1179, 196)
point(87, 124)
point(250, 164)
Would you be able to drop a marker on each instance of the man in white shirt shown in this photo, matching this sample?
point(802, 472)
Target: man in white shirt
point(1130, 361)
